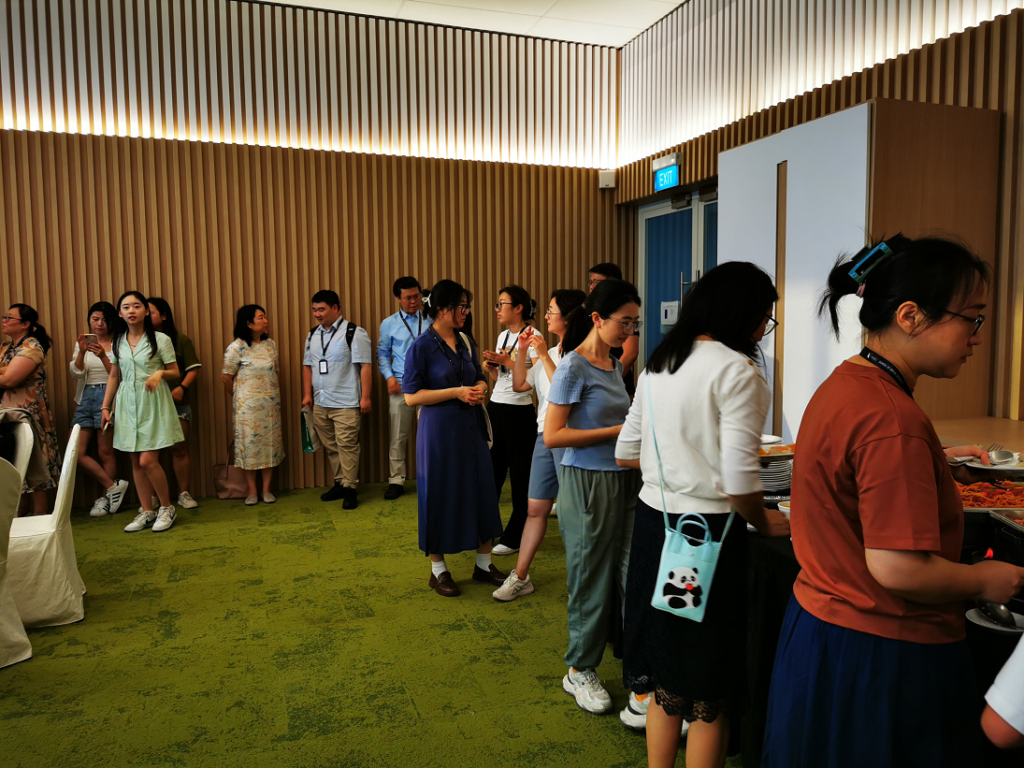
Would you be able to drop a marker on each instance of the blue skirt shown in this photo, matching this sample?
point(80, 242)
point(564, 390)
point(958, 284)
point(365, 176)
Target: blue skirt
point(843, 698)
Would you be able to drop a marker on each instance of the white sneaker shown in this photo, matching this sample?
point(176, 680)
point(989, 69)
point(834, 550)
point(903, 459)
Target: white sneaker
point(512, 588)
point(141, 522)
point(634, 716)
point(100, 507)
point(501, 549)
point(116, 495)
point(186, 501)
point(164, 519)
point(585, 687)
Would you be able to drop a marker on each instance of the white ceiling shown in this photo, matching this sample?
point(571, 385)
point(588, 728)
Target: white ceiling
point(600, 22)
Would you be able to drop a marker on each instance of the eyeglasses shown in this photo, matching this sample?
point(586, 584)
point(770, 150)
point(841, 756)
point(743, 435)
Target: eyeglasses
point(465, 308)
point(978, 321)
point(12, 318)
point(594, 281)
point(629, 326)
point(771, 325)
point(549, 313)
point(501, 304)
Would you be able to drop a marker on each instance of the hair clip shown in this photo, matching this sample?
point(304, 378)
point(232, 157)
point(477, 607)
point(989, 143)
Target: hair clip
point(863, 267)
point(426, 300)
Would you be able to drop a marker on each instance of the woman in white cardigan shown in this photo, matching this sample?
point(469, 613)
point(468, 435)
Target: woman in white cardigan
point(712, 401)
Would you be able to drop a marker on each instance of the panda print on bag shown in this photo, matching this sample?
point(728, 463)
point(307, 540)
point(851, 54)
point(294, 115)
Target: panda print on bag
point(682, 590)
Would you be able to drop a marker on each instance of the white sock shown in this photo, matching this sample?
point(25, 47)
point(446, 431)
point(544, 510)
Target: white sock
point(438, 567)
point(483, 562)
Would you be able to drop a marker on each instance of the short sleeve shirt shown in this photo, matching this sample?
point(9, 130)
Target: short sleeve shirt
point(598, 399)
point(503, 391)
point(185, 351)
point(1006, 696)
point(340, 387)
point(870, 473)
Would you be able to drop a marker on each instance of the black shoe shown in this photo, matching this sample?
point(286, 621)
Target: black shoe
point(351, 502)
point(334, 493)
point(393, 492)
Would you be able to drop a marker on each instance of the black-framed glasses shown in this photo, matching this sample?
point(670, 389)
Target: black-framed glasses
point(501, 304)
point(771, 325)
point(978, 321)
point(629, 326)
point(466, 308)
point(12, 318)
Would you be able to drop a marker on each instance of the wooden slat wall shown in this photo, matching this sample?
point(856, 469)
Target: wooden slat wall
point(213, 226)
point(980, 67)
point(712, 62)
point(251, 73)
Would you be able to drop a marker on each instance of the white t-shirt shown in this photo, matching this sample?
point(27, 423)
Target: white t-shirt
point(537, 377)
point(1006, 696)
point(508, 341)
point(710, 414)
point(93, 373)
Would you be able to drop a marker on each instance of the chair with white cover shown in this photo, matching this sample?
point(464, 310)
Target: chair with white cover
point(42, 568)
point(23, 441)
point(14, 643)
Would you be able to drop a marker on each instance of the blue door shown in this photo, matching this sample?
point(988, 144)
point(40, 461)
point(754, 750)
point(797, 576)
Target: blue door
point(669, 263)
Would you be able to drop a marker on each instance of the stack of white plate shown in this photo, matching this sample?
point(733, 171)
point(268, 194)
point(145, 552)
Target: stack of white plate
point(777, 475)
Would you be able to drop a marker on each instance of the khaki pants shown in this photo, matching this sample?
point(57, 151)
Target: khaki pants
point(338, 429)
point(402, 417)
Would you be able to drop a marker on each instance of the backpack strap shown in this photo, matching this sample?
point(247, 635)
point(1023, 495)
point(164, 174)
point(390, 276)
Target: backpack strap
point(350, 333)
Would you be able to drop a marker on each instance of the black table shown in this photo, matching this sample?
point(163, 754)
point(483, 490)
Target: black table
point(772, 570)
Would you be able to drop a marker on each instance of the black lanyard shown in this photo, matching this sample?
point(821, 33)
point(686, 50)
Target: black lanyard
point(323, 347)
point(409, 328)
point(443, 346)
point(876, 359)
point(504, 345)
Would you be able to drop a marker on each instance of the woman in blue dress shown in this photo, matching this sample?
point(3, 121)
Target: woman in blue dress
point(458, 505)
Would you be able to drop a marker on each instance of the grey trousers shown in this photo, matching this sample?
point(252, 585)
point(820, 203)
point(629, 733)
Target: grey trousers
point(402, 417)
point(595, 517)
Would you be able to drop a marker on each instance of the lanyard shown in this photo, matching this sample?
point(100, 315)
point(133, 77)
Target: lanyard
point(444, 350)
point(323, 347)
point(504, 346)
point(408, 328)
point(876, 359)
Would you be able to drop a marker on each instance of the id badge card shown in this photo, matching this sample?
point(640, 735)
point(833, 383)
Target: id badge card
point(323, 367)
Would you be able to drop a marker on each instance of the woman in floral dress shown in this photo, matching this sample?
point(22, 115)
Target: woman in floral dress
point(23, 385)
point(250, 373)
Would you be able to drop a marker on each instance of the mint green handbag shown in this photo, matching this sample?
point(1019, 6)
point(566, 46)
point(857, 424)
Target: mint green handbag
point(688, 563)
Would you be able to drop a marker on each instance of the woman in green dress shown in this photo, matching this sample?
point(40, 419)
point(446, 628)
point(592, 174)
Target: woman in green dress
point(144, 417)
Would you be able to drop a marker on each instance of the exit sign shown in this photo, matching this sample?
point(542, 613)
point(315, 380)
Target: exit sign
point(666, 178)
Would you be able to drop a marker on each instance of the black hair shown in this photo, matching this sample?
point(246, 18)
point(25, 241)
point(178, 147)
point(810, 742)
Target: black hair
point(607, 297)
point(109, 315)
point(607, 270)
point(404, 284)
point(168, 328)
point(521, 297)
point(935, 273)
point(728, 304)
point(446, 294)
point(35, 329)
point(568, 299)
point(122, 325)
point(243, 317)
point(330, 298)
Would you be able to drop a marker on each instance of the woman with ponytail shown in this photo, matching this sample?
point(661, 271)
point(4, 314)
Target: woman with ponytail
point(587, 404)
point(23, 385)
point(143, 415)
point(512, 413)
point(872, 666)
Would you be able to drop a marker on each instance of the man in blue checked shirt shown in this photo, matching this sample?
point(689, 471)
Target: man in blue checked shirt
point(397, 334)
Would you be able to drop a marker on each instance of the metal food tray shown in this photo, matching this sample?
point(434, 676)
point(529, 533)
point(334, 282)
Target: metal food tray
point(1014, 517)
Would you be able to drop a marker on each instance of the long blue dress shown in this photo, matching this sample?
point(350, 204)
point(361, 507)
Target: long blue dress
point(458, 506)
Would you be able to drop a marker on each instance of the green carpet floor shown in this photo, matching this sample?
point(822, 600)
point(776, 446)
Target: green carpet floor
point(299, 634)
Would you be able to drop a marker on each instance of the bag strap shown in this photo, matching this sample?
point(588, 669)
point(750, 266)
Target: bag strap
point(350, 333)
point(661, 481)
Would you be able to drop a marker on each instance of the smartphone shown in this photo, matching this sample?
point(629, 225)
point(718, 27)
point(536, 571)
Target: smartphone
point(91, 339)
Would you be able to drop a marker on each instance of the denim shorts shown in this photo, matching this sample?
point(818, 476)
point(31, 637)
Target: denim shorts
point(184, 411)
point(544, 471)
point(88, 413)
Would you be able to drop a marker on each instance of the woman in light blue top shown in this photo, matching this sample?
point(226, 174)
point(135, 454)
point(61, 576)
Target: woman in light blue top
point(587, 405)
point(144, 419)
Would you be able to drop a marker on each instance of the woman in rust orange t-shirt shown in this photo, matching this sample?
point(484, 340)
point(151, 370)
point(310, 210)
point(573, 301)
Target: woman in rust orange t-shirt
point(872, 668)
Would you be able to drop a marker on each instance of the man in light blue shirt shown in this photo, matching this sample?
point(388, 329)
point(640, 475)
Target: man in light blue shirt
point(397, 333)
point(336, 385)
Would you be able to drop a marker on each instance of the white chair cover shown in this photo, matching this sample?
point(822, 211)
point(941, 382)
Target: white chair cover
point(14, 644)
point(24, 440)
point(42, 566)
